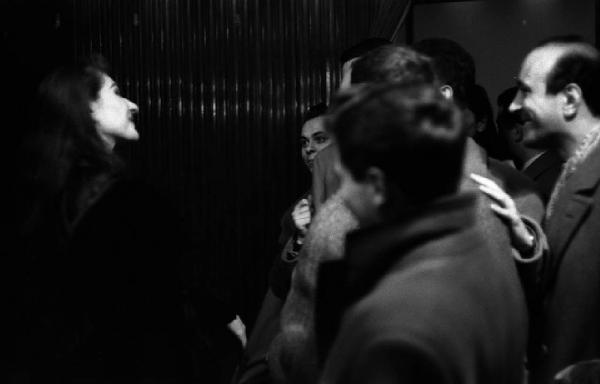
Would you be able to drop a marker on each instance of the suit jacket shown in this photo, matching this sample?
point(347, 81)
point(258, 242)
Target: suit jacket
point(571, 275)
point(544, 171)
point(422, 300)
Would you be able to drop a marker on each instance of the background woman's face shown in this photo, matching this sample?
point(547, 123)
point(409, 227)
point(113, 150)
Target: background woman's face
point(312, 139)
point(113, 114)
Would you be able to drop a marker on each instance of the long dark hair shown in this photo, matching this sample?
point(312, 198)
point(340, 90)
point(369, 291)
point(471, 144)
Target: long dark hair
point(63, 150)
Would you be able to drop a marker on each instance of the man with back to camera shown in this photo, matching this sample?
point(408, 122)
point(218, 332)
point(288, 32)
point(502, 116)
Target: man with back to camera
point(559, 102)
point(542, 166)
point(455, 69)
point(295, 353)
point(418, 296)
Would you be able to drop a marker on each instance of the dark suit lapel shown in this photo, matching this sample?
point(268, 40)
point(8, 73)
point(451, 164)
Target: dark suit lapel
point(566, 219)
point(541, 164)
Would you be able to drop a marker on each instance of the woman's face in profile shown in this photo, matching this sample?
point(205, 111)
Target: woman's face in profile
point(113, 114)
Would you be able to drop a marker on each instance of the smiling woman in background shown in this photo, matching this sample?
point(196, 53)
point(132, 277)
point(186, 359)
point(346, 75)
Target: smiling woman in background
point(100, 298)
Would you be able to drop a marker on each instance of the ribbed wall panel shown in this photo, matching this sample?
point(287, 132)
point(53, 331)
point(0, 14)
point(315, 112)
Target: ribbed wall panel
point(222, 86)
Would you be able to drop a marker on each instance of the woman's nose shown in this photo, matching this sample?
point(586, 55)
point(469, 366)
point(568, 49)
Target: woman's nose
point(132, 106)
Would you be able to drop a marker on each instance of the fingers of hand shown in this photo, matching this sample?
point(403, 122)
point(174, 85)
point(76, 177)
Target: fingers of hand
point(302, 214)
point(302, 222)
point(483, 180)
point(302, 203)
point(499, 196)
point(502, 212)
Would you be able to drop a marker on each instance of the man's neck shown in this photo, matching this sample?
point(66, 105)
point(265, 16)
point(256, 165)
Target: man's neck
point(578, 131)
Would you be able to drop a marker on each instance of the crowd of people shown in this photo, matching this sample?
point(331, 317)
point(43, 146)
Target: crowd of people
point(437, 244)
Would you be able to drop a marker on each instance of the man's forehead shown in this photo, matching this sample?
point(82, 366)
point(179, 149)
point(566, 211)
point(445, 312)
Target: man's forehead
point(539, 62)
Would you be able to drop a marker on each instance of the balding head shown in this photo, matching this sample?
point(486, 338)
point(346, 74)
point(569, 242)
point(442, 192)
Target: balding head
point(559, 93)
point(572, 63)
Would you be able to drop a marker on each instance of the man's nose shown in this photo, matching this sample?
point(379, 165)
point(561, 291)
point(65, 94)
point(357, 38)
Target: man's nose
point(516, 104)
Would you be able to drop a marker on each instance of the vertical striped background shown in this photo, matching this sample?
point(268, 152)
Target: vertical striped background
point(222, 86)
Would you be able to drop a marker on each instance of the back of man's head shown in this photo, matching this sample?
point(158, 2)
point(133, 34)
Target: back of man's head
point(393, 63)
point(506, 119)
point(578, 64)
point(410, 132)
point(362, 48)
point(453, 65)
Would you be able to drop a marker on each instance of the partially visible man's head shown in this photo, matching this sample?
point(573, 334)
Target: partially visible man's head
point(453, 65)
point(350, 55)
point(393, 63)
point(400, 145)
point(510, 129)
point(313, 137)
point(559, 82)
point(506, 120)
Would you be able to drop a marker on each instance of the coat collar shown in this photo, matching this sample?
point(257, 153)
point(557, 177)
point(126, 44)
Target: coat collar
point(372, 251)
point(475, 160)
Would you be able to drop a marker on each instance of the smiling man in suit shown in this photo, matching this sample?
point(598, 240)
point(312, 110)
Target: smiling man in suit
point(559, 101)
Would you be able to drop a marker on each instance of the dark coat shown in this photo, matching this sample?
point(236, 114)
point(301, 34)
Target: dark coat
point(571, 275)
point(295, 353)
point(103, 300)
point(422, 300)
point(544, 171)
point(254, 367)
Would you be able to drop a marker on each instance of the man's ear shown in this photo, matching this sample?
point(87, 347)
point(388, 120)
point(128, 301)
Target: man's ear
point(376, 180)
point(447, 91)
point(572, 97)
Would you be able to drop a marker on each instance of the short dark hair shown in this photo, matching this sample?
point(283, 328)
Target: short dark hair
point(506, 119)
point(315, 110)
point(410, 132)
point(506, 97)
point(393, 63)
point(579, 64)
point(452, 63)
point(362, 48)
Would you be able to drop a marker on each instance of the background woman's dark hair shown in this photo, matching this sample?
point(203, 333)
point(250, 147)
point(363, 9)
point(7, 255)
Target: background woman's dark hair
point(315, 110)
point(63, 145)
